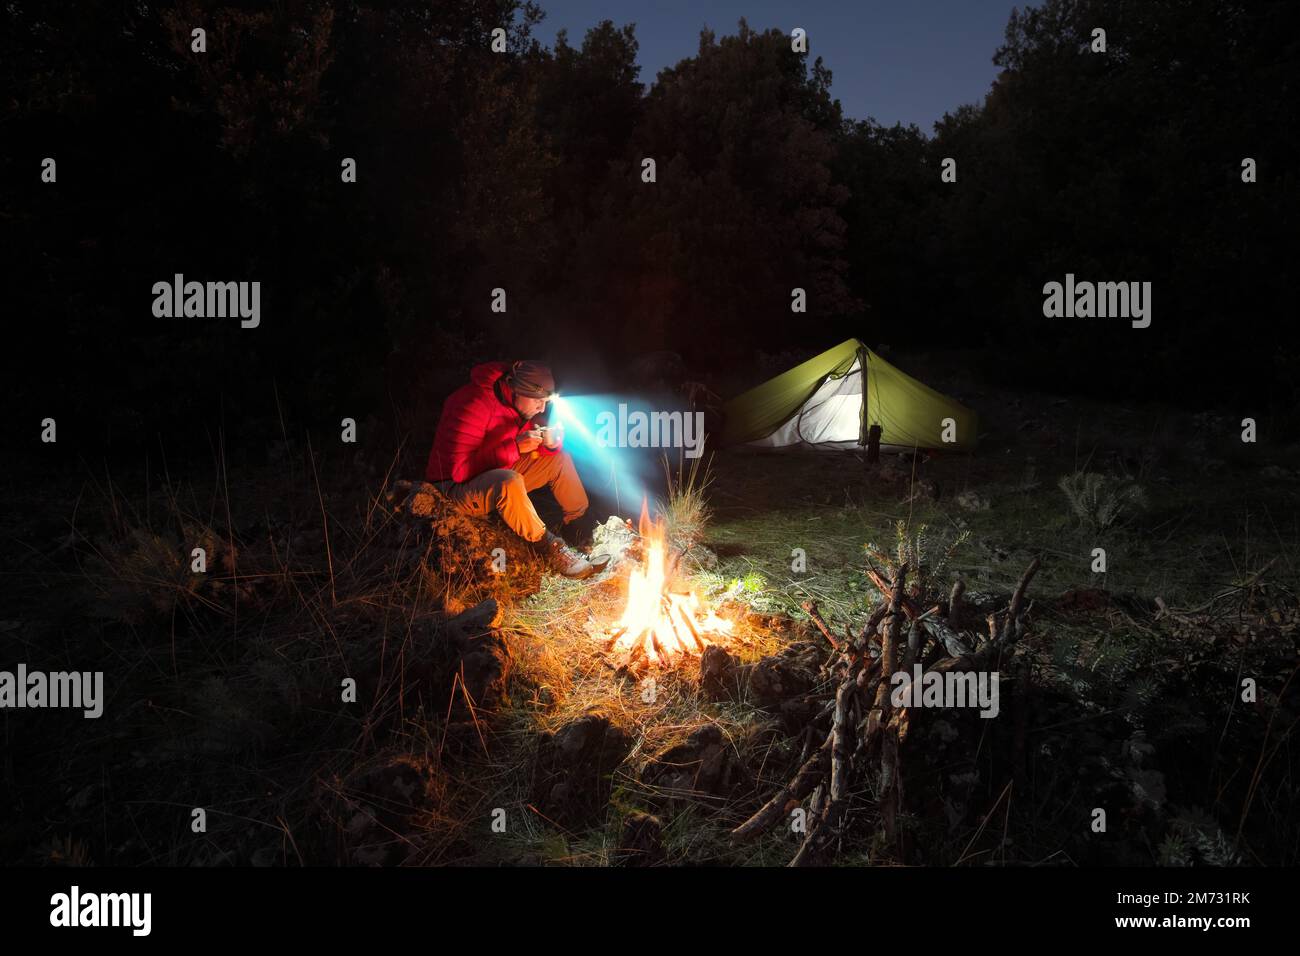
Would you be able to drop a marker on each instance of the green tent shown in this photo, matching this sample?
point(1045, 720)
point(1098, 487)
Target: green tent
point(831, 401)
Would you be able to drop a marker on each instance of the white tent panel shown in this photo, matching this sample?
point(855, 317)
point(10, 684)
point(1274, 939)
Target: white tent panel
point(831, 418)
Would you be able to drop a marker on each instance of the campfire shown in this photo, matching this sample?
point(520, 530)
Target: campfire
point(660, 625)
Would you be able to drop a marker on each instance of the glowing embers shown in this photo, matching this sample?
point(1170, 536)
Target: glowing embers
point(659, 625)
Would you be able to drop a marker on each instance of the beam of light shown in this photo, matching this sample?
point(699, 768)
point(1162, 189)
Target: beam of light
point(566, 414)
point(619, 467)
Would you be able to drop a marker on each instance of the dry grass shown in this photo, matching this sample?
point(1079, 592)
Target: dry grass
point(686, 510)
point(563, 675)
point(228, 683)
point(311, 579)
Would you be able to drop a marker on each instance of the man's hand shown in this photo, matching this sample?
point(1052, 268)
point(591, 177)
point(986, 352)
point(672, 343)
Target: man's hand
point(528, 441)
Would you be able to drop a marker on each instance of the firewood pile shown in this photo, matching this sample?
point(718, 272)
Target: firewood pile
point(855, 740)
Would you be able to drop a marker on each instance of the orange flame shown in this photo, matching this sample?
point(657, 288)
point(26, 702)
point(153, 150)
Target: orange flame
point(660, 625)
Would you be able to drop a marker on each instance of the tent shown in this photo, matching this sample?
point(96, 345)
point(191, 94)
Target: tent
point(831, 402)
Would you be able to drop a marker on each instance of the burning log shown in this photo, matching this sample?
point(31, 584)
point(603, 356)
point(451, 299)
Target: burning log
point(659, 626)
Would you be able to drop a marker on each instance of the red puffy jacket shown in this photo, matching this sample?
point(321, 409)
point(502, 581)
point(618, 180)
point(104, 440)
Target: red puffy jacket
point(477, 430)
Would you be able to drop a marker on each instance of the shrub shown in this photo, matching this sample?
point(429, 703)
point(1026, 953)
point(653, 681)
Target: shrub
point(1100, 501)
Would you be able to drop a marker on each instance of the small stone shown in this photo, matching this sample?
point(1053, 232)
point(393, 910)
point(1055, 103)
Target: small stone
point(971, 501)
point(642, 841)
point(717, 667)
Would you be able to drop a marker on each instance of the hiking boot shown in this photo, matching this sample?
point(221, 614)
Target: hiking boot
point(564, 559)
point(577, 534)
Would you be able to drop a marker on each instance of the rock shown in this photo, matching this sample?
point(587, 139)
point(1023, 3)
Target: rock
point(428, 526)
point(704, 767)
point(476, 621)
point(1138, 748)
point(572, 783)
point(614, 538)
point(487, 671)
point(717, 672)
point(798, 712)
point(485, 658)
point(892, 473)
point(769, 682)
point(1147, 786)
point(415, 499)
point(470, 645)
point(924, 489)
point(1082, 600)
point(971, 501)
point(592, 740)
point(387, 807)
point(641, 843)
point(424, 500)
point(789, 673)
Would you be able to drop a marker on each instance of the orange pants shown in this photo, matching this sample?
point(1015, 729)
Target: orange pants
point(505, 491)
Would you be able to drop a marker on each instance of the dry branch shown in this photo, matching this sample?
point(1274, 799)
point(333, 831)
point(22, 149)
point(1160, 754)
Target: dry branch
point(865, 726)
point(809, 775)
point(914, 642)
point(815, 615)
point(954, 603)
point(826, 822)
point(840, 749)
point(1017, 599)
point(873, 622)
point(937, 628)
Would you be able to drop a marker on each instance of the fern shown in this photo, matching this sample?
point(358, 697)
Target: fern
point(1110, 674)
point(1065, 667)
point(1100, 501)
point(1194, 836)
point(1174, 851)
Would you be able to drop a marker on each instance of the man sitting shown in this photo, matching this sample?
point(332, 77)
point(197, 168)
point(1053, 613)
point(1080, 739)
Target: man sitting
point(488, 455)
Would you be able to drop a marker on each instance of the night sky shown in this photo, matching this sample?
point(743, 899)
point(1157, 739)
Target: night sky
point(896, 62)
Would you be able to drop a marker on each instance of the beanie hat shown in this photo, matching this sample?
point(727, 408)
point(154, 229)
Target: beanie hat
point(531, 379)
